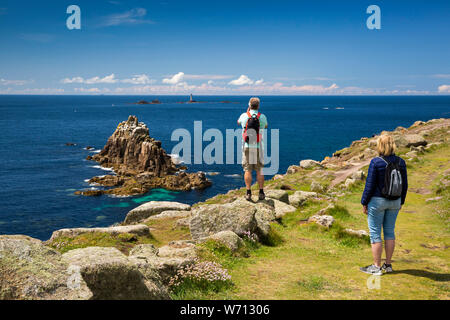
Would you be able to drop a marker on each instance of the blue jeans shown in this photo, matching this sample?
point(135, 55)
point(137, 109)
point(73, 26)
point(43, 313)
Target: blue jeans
point(382, 213)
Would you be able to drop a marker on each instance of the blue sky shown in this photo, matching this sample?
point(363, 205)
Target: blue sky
point(225, 47)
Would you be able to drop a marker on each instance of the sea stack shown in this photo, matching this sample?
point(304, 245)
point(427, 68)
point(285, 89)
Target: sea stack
point(141, 164)
point(131, 150)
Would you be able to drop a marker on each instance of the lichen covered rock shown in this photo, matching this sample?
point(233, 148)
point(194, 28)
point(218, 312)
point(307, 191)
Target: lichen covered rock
point(239, 216)
point(153, 208)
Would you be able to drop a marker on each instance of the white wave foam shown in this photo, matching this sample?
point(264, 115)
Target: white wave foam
point(102, 168)
point(213, 173)
point(117, 196)
point(176, 158)
point(236, 175)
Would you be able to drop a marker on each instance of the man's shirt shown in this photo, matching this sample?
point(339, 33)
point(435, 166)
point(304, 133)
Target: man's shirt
point(242, 121)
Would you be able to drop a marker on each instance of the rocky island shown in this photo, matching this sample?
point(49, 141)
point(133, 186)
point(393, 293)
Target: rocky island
point(140, 164)
point(288, 246)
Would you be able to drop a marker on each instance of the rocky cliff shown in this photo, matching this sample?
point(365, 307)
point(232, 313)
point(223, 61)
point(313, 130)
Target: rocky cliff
point(128, 265)
point(140, 164)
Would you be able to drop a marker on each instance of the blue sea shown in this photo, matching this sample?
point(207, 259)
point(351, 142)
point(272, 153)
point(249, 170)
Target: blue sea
point(39, 173)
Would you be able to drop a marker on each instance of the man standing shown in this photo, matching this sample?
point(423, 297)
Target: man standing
point(252, 122)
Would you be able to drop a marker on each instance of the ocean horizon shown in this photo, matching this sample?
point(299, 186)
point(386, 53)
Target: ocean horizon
point(40, 173)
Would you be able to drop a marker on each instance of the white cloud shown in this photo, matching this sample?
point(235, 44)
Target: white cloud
point(133, 16)
point(33, 91)
point(259, 82)
point(445, 88)
point(139, 79)
point(95, 80)
point(441, 76)
point(207, 76)
point(294, 89)
point(6, 82)
point(242, 80)
point(174, 79)
point(92, 90)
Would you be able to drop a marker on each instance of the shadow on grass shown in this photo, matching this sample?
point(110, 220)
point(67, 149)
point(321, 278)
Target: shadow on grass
point(441, 277)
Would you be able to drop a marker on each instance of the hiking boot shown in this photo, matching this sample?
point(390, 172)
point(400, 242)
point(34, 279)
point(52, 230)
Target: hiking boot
point(387, 268)
point(261, 196)
point(372, 269)
point(248, 197)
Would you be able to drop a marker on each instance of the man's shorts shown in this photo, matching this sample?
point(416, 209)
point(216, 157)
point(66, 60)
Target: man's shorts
point(252, 159)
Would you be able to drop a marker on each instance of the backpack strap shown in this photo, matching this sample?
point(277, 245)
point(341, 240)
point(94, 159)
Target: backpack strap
point(382, 158)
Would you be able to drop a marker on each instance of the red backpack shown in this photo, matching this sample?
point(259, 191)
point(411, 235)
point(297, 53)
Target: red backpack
point(252, 123)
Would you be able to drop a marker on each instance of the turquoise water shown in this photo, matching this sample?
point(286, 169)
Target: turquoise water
point(39, 173)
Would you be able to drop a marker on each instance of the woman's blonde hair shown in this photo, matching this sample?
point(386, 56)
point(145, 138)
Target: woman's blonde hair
point(386, 145)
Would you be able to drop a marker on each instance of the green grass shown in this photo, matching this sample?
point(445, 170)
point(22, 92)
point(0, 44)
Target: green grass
point(318, 263)
point(123, 242)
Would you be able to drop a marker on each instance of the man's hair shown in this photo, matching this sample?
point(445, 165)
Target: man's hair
point(254, 103)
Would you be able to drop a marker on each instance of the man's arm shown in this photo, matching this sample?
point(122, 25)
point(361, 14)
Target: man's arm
point(265, 121)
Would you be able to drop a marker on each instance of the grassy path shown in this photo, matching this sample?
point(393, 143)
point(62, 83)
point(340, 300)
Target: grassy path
point(312, 264)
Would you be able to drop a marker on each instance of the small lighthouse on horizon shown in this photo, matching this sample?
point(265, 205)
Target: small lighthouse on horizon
point(191, 99)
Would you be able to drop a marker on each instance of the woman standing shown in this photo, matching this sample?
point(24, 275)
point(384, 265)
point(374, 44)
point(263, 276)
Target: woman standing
point(383, 197)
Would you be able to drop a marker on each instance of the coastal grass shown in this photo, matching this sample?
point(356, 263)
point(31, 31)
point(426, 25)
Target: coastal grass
point(318, 263)
point(123, 242)
point(165, 230)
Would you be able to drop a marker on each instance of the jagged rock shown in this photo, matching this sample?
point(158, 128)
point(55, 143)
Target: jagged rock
point(108, 180)
point(299, 197)
point(307, 164)
point(417, 123)
point(131, 149)
point(89, 193)
point(139, 229)
point(317, 187)
point(324, 211)
point(167, 260)
point(349, 182)
point(169, 214)
point(409, 140)
point(281, 208)
point(373, 143)
point(281, 195)
point(152, 208)
point(292, 169)
point(359, 233)
point(30, 270)
point(358, 175)
point(322, 220)
point(111, 275)
point(419, 149)
point(412, 154)
point(182, 223)
point(239, 216)
point(228, 238)
point(144, 250)
point(140, 164)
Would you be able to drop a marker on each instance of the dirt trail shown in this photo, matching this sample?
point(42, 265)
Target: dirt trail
point(342, 175)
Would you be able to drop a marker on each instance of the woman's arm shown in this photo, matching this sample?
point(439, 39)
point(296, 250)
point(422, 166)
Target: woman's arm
point(371, 183)
point(404, 181)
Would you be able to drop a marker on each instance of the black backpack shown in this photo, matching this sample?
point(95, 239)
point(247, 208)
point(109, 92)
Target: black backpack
point(252, 123)
point(393, 182)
